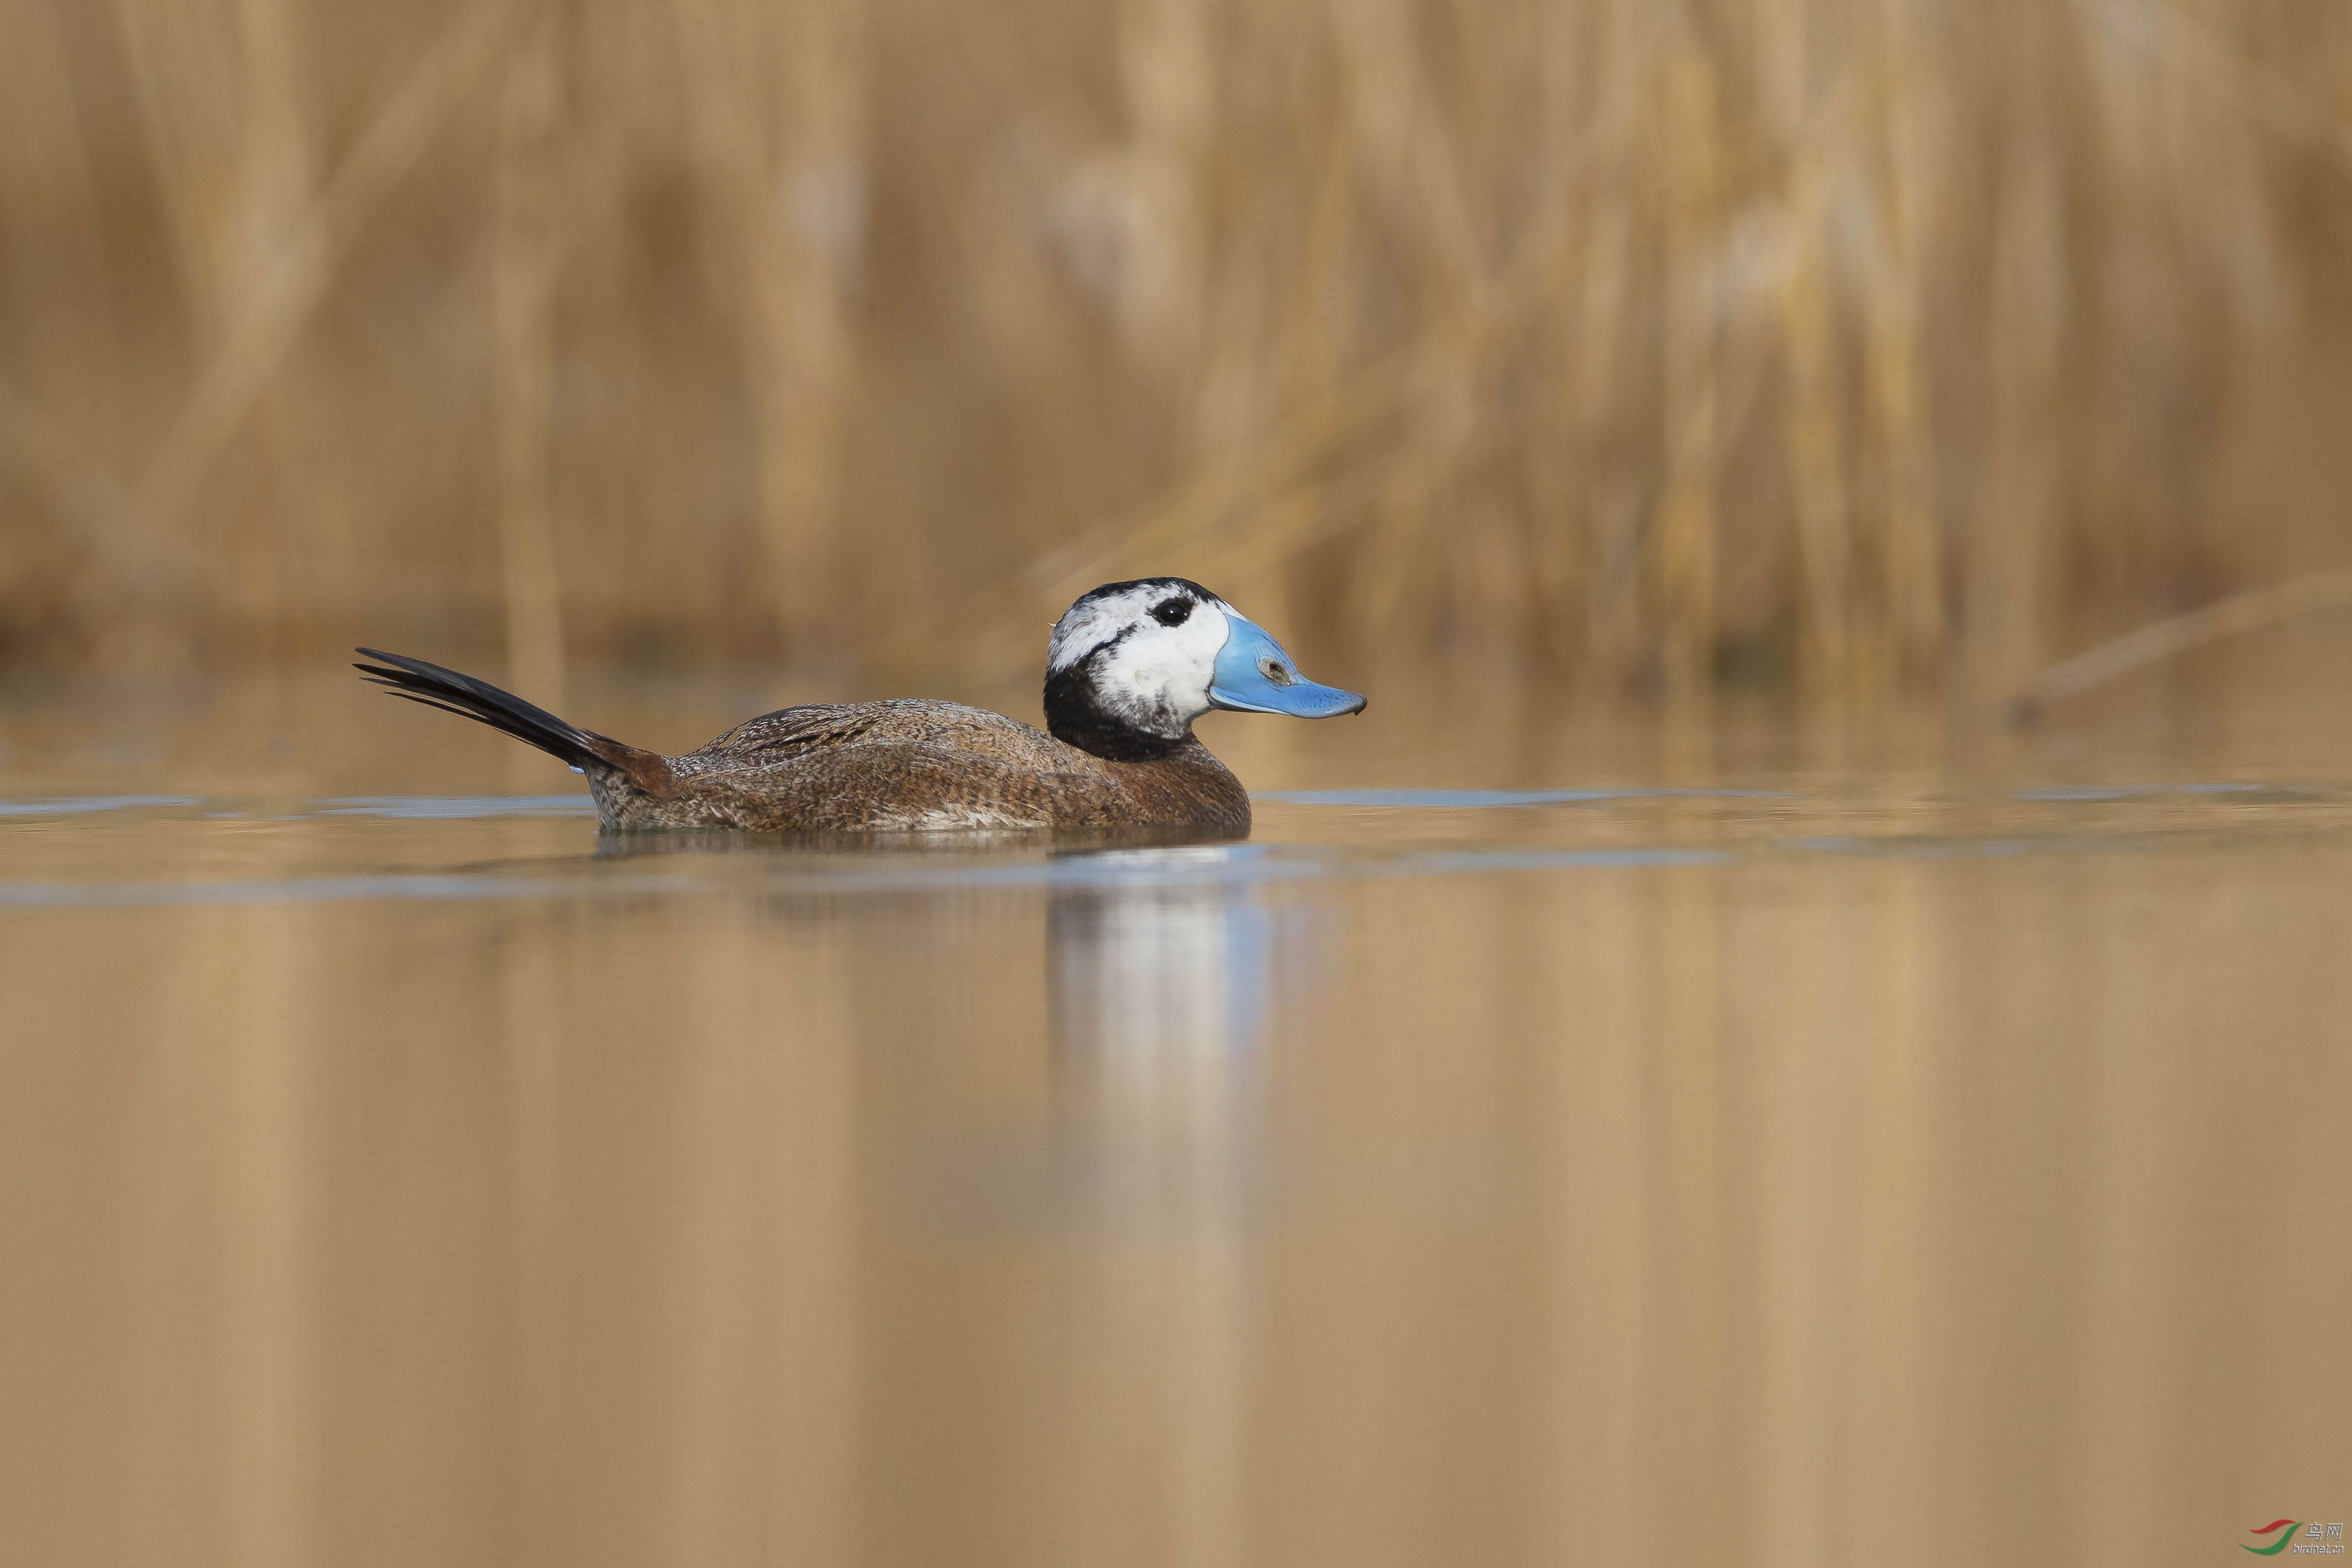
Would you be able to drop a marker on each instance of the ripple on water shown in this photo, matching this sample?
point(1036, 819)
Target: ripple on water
point(83, 805)
point(1495, 799)
point(398, 865)
point(457, 807)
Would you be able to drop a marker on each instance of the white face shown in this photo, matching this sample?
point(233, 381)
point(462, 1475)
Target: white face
point(1152, 676)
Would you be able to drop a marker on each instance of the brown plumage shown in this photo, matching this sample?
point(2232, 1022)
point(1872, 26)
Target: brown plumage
point(915, 764)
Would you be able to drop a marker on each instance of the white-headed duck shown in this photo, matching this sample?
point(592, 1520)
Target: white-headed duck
point(1130, 667)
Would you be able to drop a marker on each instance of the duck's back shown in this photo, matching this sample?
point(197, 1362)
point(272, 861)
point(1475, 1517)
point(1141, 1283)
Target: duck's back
point(795, 734)
point(915, 763)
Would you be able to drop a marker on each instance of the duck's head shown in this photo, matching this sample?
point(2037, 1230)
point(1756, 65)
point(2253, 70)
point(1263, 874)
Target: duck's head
point(1132, 664)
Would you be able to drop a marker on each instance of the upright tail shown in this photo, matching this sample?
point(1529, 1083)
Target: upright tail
point(453, 692)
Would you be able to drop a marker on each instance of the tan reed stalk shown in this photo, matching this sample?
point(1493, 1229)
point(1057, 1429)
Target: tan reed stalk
point(172, 50)
point(1408, 152)
point(1166, 82)
point(80, 526)
point(1812, 436)
point(1612, 218)
point(1314, 349)
point(46, 177)
point(1814, 447)
point(1686, 536)
point(1549, 541)
point(1612, 504)
point(269, 203)
point(2235, 616)
point(827, 178)
point(1910, 618)
point(2011, 544)
point(776, 107)
point(1308, 357)
point(529, 198)
point(239, 158)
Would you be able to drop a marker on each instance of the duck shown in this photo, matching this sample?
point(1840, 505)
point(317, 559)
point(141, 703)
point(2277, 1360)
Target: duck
point(1129, 668)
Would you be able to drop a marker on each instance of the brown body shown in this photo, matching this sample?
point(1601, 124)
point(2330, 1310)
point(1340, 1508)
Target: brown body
point(906, 764)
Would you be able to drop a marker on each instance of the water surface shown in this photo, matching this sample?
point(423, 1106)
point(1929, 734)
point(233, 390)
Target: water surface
point(1535, 1144)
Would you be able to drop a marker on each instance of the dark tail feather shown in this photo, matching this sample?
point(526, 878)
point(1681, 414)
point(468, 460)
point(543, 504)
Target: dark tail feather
point(453, 692)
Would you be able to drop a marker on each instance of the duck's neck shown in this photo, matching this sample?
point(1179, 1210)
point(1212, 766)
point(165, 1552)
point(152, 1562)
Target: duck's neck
point(1074, 716)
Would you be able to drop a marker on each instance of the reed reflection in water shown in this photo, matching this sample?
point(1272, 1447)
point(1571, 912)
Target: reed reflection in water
point(1797, 1176)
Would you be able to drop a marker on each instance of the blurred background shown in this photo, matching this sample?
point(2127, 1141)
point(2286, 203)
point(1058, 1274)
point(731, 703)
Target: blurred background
point(1842, 347)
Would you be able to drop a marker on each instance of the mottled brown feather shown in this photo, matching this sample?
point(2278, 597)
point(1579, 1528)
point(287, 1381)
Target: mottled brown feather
point(913, 763)
point(856, 767)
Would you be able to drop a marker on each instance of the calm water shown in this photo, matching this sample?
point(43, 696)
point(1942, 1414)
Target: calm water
point(1545, 1141)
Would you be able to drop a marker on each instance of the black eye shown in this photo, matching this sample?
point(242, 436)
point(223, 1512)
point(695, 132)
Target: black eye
point(1172, 611)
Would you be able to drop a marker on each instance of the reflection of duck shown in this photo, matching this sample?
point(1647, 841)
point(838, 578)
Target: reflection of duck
point(1160, 974)
point(1130, 667)
point(1155, 972)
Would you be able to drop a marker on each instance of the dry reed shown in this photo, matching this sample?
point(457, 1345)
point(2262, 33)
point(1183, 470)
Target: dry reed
point(1857, 342)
